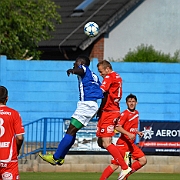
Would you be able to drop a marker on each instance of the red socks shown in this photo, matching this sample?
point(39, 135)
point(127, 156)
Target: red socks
point(117, 155)
point(106, 173)
point(135, 166)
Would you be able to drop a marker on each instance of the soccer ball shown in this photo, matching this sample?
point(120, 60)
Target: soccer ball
point(91, 29)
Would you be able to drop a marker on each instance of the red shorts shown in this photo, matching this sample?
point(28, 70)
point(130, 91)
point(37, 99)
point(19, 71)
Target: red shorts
point(135, 151)
point(9, 171)
point(106, 124)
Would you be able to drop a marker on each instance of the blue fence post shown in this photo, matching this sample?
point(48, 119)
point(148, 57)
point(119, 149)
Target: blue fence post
point(3, 68)
point(61, 128)
point(45, 136)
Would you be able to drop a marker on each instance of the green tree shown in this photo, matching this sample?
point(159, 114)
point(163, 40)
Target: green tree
point(23, 24)
point(145, 53)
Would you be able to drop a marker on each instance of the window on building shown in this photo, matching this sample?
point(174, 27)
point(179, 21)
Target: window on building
point(81, 8)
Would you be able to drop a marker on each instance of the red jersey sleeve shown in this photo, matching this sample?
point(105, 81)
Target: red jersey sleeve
point(123, 118)
point(18, 127)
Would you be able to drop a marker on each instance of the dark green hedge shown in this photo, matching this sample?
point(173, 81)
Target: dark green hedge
point(145, 53)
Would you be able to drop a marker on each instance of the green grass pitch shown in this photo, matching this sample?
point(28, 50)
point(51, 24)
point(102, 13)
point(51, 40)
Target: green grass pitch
point(94, 176)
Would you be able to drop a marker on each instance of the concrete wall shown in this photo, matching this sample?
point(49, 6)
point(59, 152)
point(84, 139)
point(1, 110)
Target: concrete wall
point(42, 89)
point(154, 22)
point(97, 163)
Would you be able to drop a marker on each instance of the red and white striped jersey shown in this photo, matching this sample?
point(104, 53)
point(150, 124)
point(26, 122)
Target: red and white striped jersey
point(129, 121)
point(10, 126)
point(112, 84)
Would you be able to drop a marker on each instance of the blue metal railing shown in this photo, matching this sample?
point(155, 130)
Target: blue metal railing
point(42, 135)
point(45, 134)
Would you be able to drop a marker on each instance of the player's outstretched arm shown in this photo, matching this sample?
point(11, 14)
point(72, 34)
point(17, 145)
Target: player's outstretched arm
point(77, 71)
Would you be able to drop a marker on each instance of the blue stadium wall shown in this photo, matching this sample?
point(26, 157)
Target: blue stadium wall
point(40, 89)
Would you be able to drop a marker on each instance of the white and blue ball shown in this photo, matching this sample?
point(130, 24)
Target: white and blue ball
point(91, 29)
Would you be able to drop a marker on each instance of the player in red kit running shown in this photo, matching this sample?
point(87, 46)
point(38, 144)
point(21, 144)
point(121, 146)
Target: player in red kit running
point(109, 112)
point(128, 127)
point(11, 138)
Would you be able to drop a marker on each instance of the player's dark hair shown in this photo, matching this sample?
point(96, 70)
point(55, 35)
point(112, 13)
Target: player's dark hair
point(3, 94)
point(105, 64)
point(131, 96)
point(85, 59)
